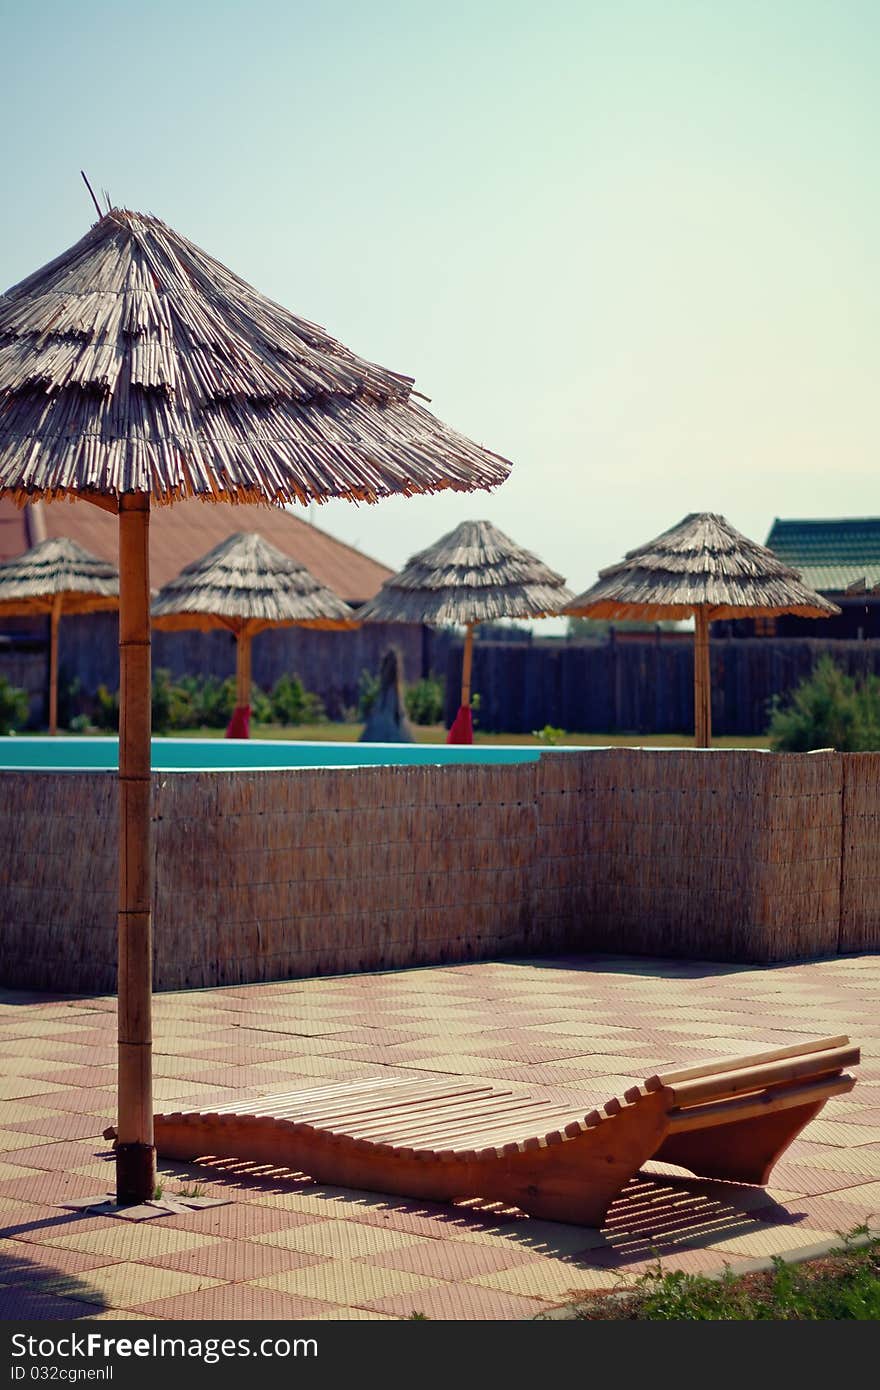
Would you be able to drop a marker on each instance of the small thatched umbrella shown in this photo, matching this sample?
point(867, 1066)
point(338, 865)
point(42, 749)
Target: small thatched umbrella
point(474, 574)
point(55, 577)
point(246, 585)
point(705, 568)
point(136, 370)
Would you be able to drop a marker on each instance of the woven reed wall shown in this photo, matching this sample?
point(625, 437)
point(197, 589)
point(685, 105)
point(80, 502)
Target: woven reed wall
point(720, 856)
point(317, 872)
point(58, 877)
point(723, 855)
point(860, 886)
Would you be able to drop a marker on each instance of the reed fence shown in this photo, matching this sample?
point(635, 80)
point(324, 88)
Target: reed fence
point(732, 856)
point(641, 685)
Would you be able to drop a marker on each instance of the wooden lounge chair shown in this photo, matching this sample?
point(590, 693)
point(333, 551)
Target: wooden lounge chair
point(454, 1138)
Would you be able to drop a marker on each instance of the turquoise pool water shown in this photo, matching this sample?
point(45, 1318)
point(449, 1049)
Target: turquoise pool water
point(211, 755)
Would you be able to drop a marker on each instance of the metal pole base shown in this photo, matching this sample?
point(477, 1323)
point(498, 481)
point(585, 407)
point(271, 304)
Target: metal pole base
point(135, 1174)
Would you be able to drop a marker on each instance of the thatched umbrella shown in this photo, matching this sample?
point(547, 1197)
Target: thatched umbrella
point(474, 574)
point(135, 370)
point(246, 585)
point(55, 577)
point(705, 568)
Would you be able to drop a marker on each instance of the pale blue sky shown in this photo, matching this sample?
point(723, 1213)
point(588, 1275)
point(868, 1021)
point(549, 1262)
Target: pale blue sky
point(632, 245)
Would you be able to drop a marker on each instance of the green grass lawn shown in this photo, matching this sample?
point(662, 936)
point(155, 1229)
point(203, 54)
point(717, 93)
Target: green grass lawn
point(435, 733)
point(843, 1285)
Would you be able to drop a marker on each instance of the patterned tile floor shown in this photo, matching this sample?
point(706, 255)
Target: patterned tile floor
point(285, 1247)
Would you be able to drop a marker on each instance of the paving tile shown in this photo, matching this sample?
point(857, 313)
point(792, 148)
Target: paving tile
point(22, 1262)
point(237, 1220)
point(556, 1281)
point(131, 1240)
point(338, 1239)
point(452, 1259)
point(67, 1125)
point(599, 1024)
point(236, 1260)
point(763, 1241)
point(48, 1188)
point(29, 1304)
point(242, 1302)
point(127, 1285)
point(459, 1302)
point(343, 1282)
point(336, 1313)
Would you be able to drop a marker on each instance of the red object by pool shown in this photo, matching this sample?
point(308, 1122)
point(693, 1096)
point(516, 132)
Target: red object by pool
point(462, 730)
point(239, 725)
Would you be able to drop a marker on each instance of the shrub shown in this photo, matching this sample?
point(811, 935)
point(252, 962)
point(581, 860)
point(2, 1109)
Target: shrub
point(293, 704)
point(288, 698)
point(261, 706)
point(211, 701)
point(549, 734)
point(161, 702)
point(368, 693)
point(14, 706)
point(424, 701)
point(106, 708)
point(828, 710)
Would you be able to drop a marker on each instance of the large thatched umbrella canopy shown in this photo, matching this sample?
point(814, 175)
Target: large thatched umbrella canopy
point(56, 577)
point(705, 568)
point(474, 574)
point(135, 369)
point(246, 585)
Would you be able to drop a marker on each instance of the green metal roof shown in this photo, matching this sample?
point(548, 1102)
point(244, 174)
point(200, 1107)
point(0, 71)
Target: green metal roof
point(830, 555)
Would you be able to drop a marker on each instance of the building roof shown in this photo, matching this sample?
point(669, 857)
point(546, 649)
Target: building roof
point(180, 534)
point(831, 554)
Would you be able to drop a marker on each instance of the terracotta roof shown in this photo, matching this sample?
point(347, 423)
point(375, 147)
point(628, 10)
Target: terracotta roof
point(180, 534)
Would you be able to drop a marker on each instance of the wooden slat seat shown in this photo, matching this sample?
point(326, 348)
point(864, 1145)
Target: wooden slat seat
point(451, 1138)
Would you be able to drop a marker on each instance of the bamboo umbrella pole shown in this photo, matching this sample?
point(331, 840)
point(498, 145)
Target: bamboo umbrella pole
point(467, 664)
point(135, 1150)
point(243, 666)
point(702, 680)
point(54, 620)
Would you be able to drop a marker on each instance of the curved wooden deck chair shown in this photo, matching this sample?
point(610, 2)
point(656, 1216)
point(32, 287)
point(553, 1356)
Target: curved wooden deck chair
point(454, 1138)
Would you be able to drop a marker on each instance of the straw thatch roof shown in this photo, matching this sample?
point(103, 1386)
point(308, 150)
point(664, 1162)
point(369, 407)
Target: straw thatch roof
point(473, 574)
point(135, 362)
point(245, 580)
point(57, 568)
point(702, 562)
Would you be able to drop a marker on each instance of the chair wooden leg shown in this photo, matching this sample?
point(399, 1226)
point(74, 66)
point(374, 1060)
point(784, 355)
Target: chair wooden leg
point(743, 1151)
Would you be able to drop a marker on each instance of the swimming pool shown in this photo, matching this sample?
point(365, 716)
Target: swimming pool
point(248, 755)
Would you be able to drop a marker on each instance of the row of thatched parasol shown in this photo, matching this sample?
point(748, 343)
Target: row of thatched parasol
point(474, 574)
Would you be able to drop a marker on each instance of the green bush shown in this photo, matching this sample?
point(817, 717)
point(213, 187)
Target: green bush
point(106, 708)
point(368, 693)
point(549, 734)
point(828, 710)
point(204, 702)
point(293, 704)
point(288, 698)
point(14, 706)
point(261, 706)
point(424, 701)
point(161, 702)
